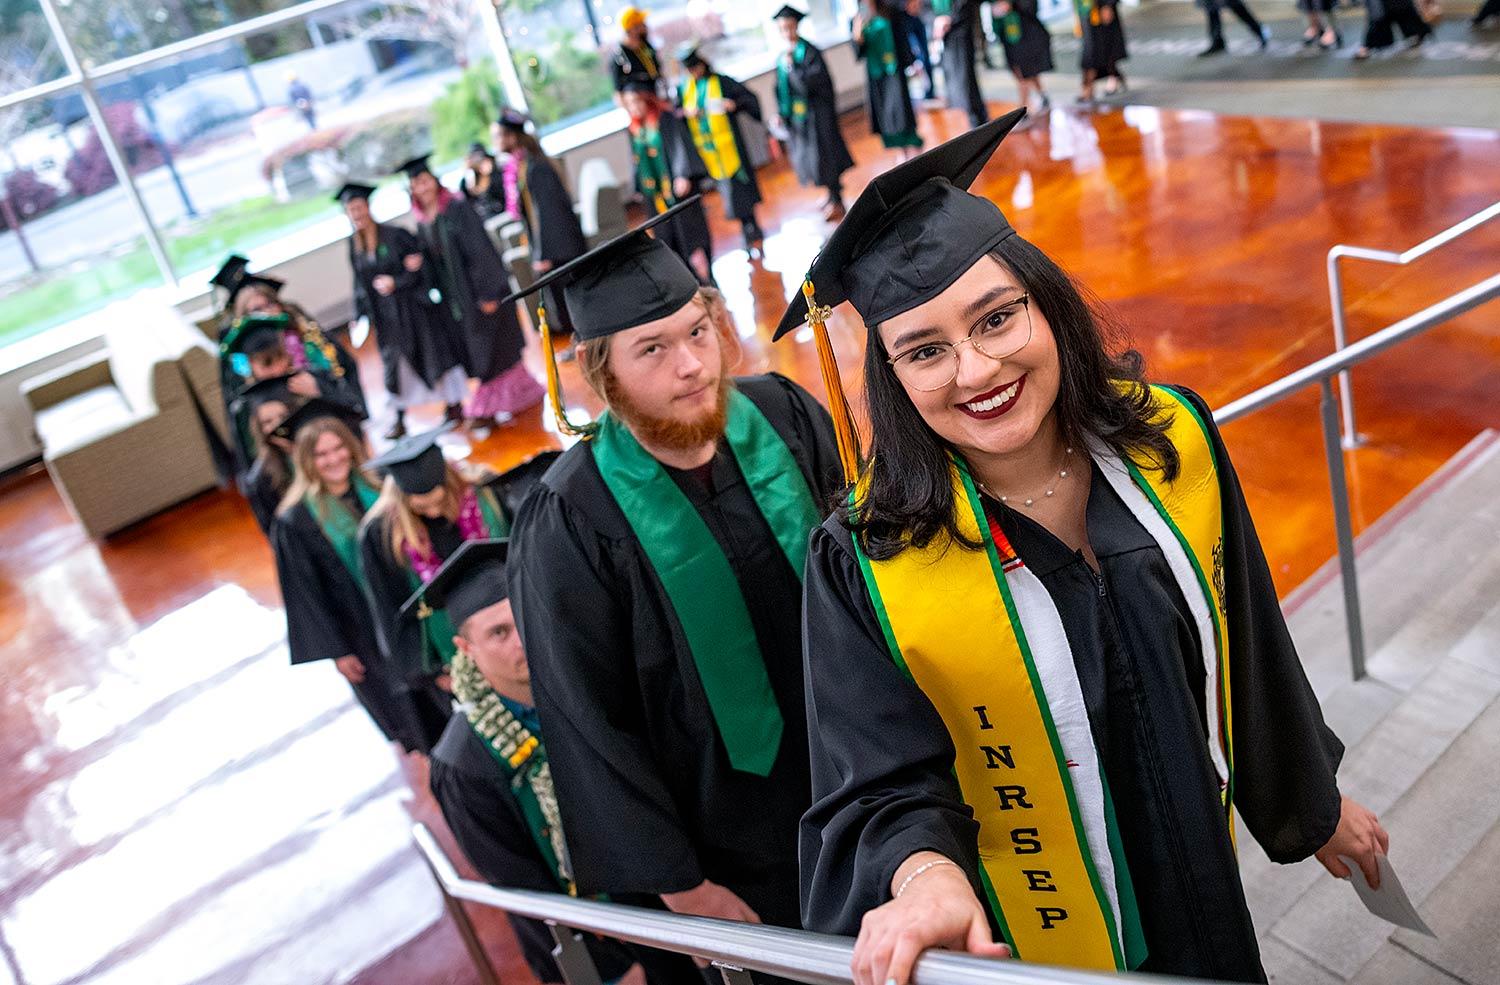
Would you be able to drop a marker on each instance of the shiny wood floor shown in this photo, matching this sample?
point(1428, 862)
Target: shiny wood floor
point(183, 807)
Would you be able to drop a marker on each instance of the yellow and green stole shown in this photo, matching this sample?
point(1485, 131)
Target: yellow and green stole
point(712, 132)
point(978, 633)
point(700, 585)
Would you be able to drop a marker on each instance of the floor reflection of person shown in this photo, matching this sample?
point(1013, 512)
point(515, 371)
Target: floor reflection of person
point(1045, 655)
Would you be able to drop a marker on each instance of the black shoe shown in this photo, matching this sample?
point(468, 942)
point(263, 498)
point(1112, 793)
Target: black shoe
point(398, 430)
point(1213, 49)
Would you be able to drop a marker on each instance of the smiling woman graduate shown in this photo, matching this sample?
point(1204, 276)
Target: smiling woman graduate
point(1044, 652)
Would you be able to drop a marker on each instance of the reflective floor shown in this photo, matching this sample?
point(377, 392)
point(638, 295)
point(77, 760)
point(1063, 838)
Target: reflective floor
point(181, 806)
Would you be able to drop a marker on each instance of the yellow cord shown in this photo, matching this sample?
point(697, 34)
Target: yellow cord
point(838, 403)
point(554, 380)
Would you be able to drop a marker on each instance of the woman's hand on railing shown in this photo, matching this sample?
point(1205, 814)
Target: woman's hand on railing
point(709, 899)
point(937, 908)
point(1360, 837)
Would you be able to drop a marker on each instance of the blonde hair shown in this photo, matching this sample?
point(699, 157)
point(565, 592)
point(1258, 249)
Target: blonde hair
point(406, 529)
point(593, 356)
point(305, 478)
point(250, 291)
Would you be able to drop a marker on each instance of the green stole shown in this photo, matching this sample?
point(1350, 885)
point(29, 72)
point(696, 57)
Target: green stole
point(523, 760)
point(880, 49)
point(700, 584)
point(340, 525)
point(791, 109)
point(653, 178)
point(435, 623)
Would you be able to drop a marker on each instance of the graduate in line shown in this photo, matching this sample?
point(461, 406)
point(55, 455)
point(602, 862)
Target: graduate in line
point(808, 112)
point(552, 226)
point(490, 774)
point(264, 407)
point(1028, 49)
point(471, 279)
point(426, 510)
point(671, 693)
point(957, 26)
point(886, 59)
point(635, 59)
point(667, 172)
point(315, 542)
point(1103, 47)
point(711, 104)
point(418, 341)
point(1045, 656)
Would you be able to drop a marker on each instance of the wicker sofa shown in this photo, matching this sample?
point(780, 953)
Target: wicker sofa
point(125, 433)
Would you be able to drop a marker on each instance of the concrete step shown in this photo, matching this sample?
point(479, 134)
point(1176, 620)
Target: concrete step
point(1433, 828)
point(1464, 913)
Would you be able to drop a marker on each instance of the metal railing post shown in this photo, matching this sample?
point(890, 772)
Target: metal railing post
point(1340, 340)
point(572, 956)
point(465, 928)
point(1343, 528)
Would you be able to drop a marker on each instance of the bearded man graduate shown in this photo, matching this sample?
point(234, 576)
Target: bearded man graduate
point(674, 536)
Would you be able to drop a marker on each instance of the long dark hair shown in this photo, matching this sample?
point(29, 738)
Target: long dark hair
point(909, 500)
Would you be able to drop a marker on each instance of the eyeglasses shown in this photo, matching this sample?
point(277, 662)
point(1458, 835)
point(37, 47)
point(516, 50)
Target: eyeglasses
point(1000, 334)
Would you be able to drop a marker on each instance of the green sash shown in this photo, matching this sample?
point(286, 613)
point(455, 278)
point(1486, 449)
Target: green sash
point(435, 622)
point(697, 577)
point(652, 176)
point(340, 525)
point(792, 110)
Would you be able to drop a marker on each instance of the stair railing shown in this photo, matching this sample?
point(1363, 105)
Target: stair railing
point(734, 949)
point(1322, 373)
point(1336, 293)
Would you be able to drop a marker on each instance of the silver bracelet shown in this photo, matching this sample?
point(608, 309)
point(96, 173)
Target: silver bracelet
point(919, 870)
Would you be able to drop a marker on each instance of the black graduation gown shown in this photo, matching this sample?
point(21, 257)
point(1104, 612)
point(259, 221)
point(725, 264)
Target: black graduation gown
point(687, 232)
point(887, 99)
point(490, 828)
point(552, 228)
point(817, 149)
point(263, 491)
point(960, 76)
point(491, 201)
point(883, 784)
point(327, 617)
point(467, 271)
point(739, 192)
point(1031, 54)
point(406, 323)
point(626, 66)
point(401, 640)
point(1103, 44)
point(630, 736)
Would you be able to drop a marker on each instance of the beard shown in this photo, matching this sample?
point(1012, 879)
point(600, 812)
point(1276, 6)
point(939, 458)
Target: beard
point(668, 432)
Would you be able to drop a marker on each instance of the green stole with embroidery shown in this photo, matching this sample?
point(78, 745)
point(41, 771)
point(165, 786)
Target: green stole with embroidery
point(700, 585)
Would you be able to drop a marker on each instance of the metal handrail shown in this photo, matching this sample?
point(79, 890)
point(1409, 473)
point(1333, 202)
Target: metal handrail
point(1322, 372)
point(1336, 293)
point(735, 948)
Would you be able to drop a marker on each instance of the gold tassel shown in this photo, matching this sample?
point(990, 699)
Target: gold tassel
point(554, 380)
point(838, 403)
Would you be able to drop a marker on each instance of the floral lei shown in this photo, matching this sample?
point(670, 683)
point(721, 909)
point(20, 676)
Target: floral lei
point(425, 562)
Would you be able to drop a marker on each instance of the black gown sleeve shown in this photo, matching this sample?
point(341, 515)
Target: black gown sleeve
point(362, 308)
point(745, 101)
point(558, 236)
point(386, 588)
point(479, 262)
point(262, 495)
point(1286, 758)
point(628, 837)
point(814, 427)
point(403, 244)
point(882, 762)
point(312, 631)
point(682, 155)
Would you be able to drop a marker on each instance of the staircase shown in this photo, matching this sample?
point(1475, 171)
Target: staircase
point(1423, 738)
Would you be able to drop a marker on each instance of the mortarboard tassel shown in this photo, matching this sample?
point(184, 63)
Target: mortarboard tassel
point(554, 381)
point(838, 403)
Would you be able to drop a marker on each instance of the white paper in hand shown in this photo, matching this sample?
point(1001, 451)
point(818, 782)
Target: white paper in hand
point(1389, 902)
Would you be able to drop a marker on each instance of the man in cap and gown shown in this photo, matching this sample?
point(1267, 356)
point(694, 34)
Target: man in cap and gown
point(671, 692)
point(1015, 739)
point(711, 104)
point(418, 340)
point(805, 102)
point(490, 773)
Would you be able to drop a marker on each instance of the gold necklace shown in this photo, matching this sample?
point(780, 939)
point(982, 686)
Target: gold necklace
point(1062, 474)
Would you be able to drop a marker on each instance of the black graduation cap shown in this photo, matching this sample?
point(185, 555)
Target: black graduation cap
point(311, 410)
point(234, 276)
point(416, 462)
point(267, 390)
point(787, 10)
point(513, 119)
point(414, 167)
point(473, 578)
point(256, 333)
point(911, 233)
point(630, 280)
point(512, 486)
point(688, 53)
point(353, 190)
